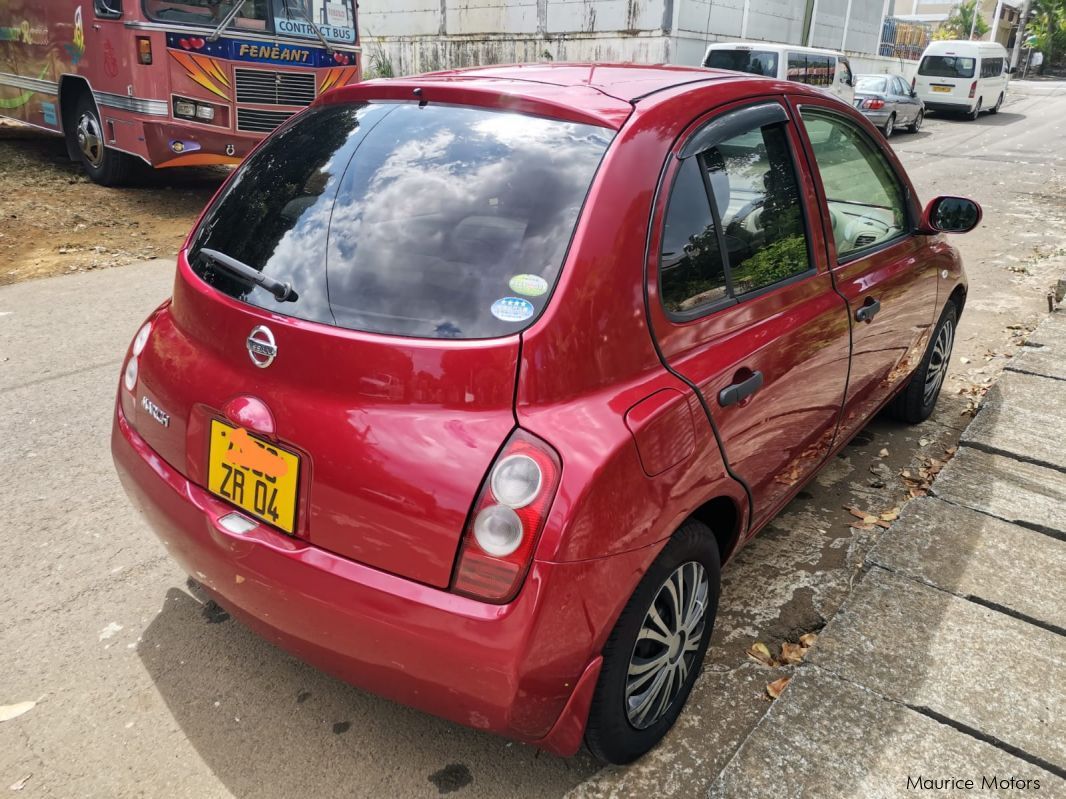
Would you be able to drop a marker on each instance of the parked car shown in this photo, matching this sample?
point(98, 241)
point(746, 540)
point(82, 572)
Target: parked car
point(826, 69)
point(470, 383)
point(962, 77)
point(889, 103)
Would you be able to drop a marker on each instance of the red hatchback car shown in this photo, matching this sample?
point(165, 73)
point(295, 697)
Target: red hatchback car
point(470, 382)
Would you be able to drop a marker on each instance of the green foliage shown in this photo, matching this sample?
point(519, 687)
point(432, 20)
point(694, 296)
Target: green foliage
point(782, 259)
point(1047, 21)
point(959, 23)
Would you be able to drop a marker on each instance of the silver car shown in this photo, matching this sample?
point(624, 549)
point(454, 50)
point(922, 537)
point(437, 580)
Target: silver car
point(889, 102)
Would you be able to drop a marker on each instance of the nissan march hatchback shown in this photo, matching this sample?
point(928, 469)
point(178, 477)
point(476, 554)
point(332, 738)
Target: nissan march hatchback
point(471, 382)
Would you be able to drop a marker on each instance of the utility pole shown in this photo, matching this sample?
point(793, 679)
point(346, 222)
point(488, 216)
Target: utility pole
point(1019, 37)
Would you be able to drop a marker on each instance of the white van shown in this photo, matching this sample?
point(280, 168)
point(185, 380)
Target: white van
point(826, 69)
point(965, 77)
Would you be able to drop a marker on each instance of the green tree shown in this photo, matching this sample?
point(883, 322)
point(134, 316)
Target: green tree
point(1047, 21)
point(961, 21)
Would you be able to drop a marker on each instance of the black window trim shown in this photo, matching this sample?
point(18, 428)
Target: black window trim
point(910, 224)
point(108, 9)
point(735, 122)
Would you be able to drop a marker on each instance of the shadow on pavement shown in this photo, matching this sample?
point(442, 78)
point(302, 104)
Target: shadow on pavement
point(269, 725)
point(985, 120)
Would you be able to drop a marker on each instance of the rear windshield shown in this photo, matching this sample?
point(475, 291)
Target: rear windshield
point(946, 66)
point(755, 62)
point(436, 221)
point(871, 84)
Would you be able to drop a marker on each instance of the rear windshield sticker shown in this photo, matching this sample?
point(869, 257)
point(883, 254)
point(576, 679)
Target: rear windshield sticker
point(529, 285)
point(512, 309)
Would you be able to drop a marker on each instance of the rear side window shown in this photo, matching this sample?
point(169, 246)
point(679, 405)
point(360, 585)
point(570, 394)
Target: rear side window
point(946, 66)
point(754, 62)
point(734, 223)
point(991, 67)
point(812, 69)
point(433, 222)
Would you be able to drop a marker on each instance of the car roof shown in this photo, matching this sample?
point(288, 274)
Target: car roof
point(602, 94)
point(775, 46)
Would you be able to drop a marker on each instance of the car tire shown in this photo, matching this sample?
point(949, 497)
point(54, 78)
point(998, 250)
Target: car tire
point(995, 109)
point(972, 115)
point(916, 125)
point(104, 165)
point(890, 125)
point(617, 732)
point(916, 401)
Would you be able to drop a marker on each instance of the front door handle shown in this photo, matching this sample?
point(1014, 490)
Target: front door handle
point(868, 311)
point(738, 392)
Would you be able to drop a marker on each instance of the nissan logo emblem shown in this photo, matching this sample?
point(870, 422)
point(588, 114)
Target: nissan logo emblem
point(261, 346)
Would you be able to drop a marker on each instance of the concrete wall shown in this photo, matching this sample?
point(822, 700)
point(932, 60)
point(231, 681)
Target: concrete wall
point(423, 35)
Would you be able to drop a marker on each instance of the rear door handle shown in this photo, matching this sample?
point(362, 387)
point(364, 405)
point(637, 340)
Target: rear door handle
point(738, 392)
point(868, 311)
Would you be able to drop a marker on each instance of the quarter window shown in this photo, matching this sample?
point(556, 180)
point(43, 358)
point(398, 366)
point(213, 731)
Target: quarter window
point(867, 205)
point(734, 224)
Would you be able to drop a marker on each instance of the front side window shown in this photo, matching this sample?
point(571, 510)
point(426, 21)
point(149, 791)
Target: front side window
point(434, 222)
point(946, 66)
point(107, 9)
point(754, 62)
point(739, 198)
point(867, 204)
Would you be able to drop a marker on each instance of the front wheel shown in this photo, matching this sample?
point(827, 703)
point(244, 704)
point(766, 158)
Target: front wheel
point(916, 125)
point(656, 649)
point(104, 165)
point(916, 402)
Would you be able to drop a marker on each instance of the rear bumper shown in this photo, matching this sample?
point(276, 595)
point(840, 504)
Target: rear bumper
point(950, 106)
point(525, 670)
point(878, 118)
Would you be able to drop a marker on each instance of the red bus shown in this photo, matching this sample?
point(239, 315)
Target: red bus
point(170, 82)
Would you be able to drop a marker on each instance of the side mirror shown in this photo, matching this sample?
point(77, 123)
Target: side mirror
point(950, 215)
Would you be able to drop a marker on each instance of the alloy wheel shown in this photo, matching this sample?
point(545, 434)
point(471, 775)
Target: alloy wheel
point(918, 120)
point(667, 645)
point(938, 362)
point(890, 126)
point(90, 139)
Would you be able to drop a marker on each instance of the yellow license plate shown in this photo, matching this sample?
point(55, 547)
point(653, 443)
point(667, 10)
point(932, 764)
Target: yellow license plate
point(255, 476)
point(942, 89)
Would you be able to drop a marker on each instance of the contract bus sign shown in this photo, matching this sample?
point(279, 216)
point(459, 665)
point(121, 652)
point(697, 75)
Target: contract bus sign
point(169, 82)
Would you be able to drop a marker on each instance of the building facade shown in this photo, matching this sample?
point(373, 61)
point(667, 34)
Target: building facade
point(411, 36)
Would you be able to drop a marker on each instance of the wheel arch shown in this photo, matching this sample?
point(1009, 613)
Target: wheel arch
point(71, 87)
point(723, 517)
point(958, 297)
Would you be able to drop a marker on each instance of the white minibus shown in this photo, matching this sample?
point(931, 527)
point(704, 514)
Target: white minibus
point(826, 69)
point(961, 76)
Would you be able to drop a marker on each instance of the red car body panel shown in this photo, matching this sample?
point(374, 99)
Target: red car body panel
point(398, 434)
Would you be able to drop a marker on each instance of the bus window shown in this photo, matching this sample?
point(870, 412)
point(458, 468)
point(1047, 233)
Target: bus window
point(252, 16)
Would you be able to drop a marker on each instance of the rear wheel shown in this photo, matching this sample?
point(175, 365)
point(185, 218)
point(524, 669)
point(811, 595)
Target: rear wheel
point(916, 125)
point(105, 166)
point(975, 112)
point(995, 109)
point(916, 402)
point(656, 649)
point(890, 125)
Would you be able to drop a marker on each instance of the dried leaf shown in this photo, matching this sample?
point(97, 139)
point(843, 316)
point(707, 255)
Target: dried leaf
point(890, 515)
point(775, 688)
point(761, 653)
point(950, 451)
point(8, 712)
point(808, 639)
point(792, 653)
point(924, 442)
point(883, 453)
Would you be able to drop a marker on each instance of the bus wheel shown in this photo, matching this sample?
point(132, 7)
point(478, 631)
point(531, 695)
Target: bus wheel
point(105, 166)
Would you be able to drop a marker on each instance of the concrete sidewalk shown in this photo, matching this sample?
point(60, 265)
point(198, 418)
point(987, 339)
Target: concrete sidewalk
point(944, 671)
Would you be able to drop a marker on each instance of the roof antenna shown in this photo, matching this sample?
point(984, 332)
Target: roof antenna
point(421, 100)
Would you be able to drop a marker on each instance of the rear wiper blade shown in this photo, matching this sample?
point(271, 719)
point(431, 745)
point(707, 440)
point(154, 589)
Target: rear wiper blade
point(283, 292)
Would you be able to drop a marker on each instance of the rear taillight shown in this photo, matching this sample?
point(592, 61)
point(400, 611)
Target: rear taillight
point(507, 519)
point(973, 89)
point(129, 374)
point(873, 105)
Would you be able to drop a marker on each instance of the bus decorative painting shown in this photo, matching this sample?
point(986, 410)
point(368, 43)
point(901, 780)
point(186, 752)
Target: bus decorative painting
point(126, 81)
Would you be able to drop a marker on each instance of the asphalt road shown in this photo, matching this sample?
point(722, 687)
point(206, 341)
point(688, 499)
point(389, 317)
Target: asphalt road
point(142, 690)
